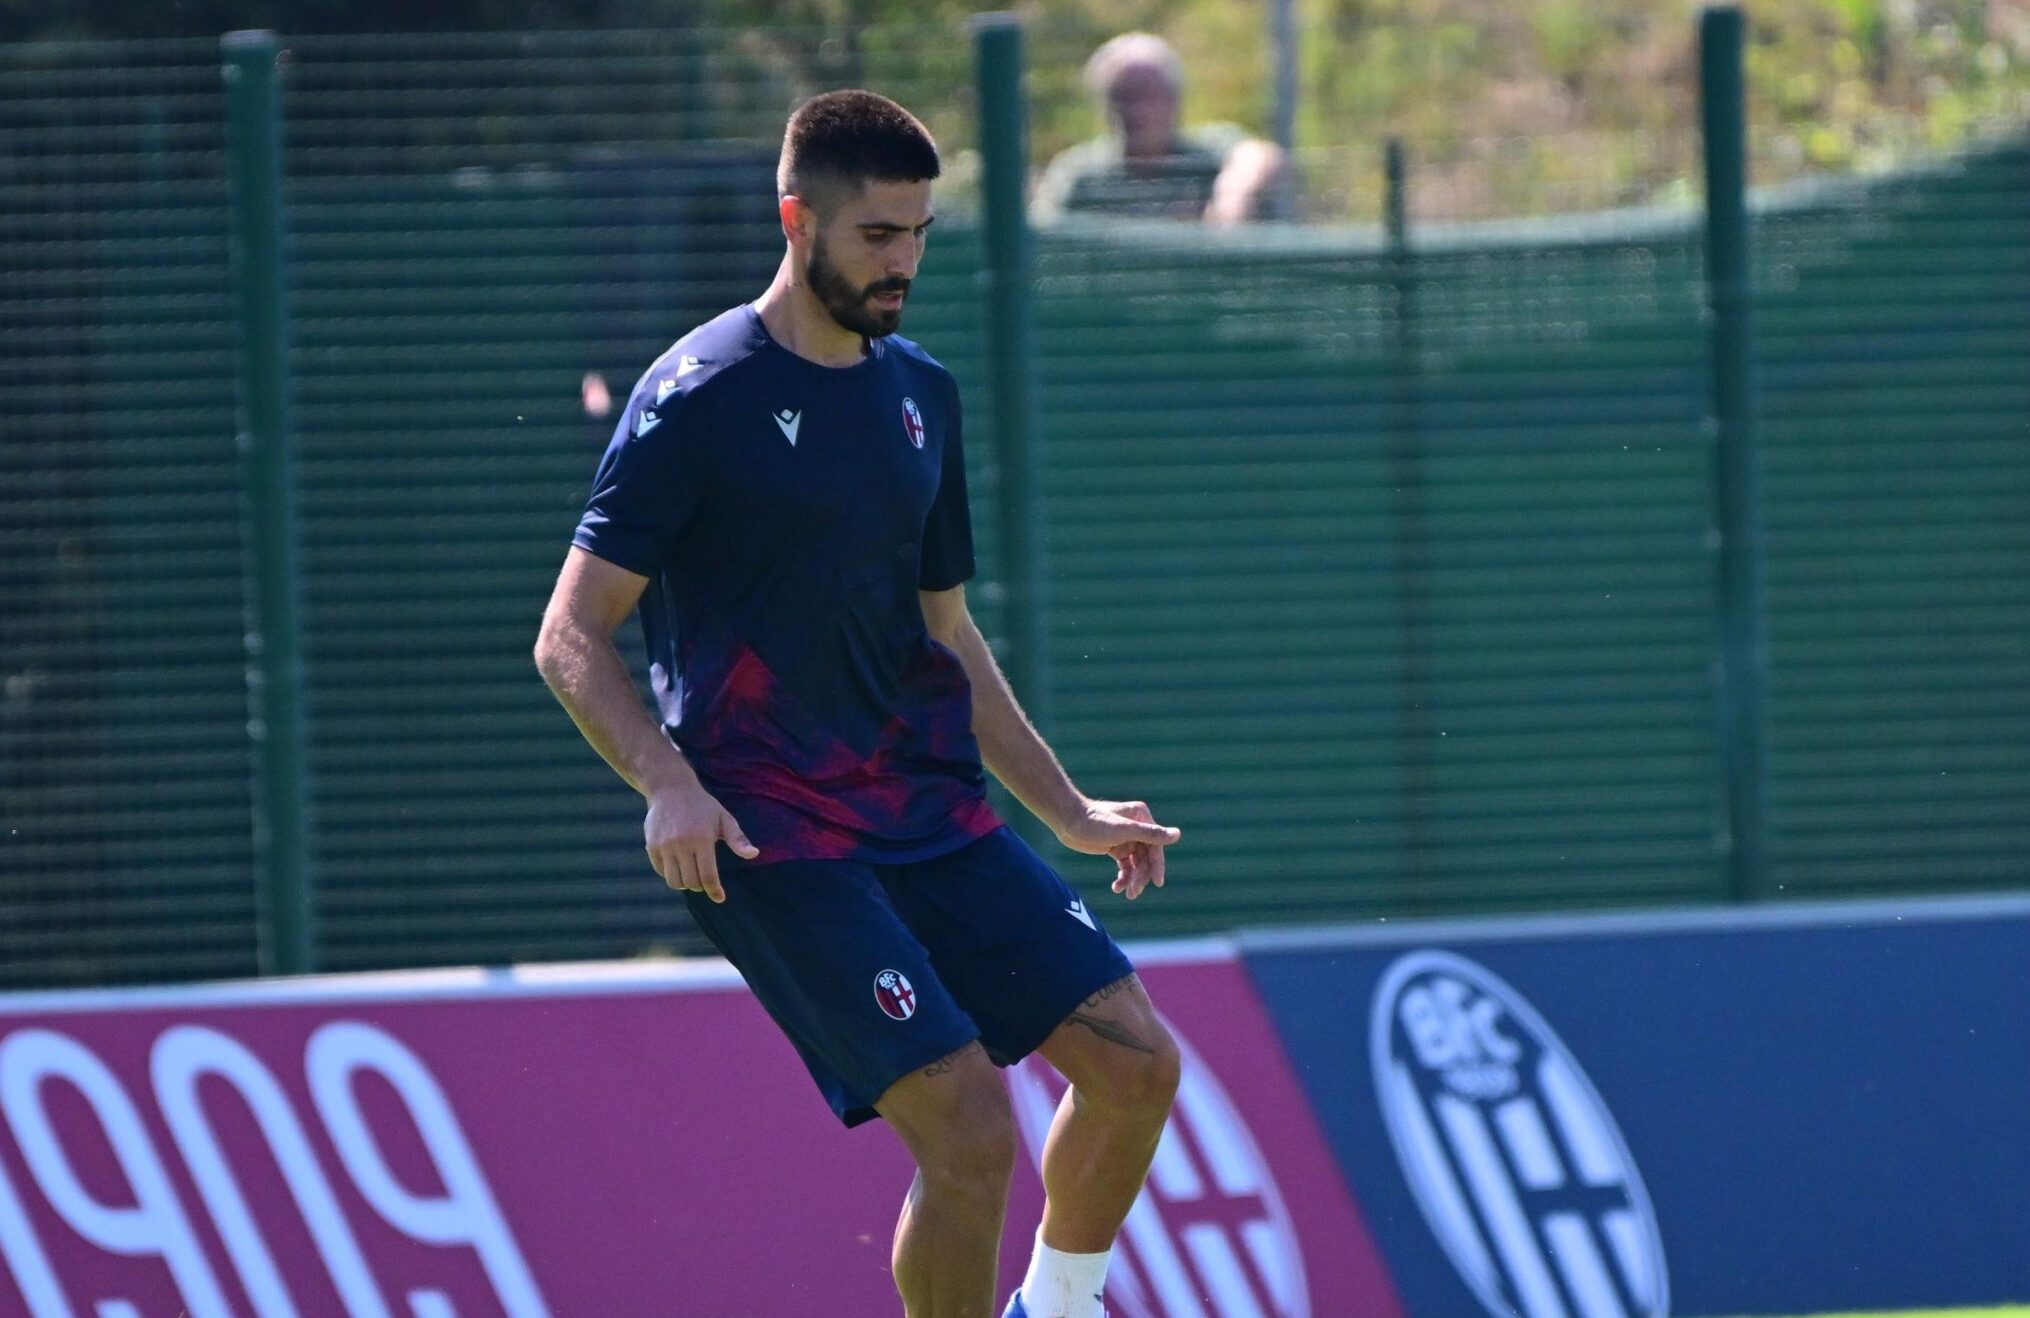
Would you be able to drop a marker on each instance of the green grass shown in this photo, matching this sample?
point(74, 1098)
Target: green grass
point(2008, 1311)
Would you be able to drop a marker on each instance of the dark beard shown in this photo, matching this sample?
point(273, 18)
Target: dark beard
point(847, 304)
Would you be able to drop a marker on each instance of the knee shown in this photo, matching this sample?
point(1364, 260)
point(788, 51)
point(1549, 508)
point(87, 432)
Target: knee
point(1144, 1083)
point(971, 1144)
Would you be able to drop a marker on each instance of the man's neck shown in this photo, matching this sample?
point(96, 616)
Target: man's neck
point(799, 322)
point(1147, 148)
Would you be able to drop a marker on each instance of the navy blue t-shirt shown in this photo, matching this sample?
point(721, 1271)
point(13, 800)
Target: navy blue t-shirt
point(786, 514)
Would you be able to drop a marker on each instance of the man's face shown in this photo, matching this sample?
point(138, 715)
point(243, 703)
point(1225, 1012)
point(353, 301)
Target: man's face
point(1144, 104)
point(864, 255)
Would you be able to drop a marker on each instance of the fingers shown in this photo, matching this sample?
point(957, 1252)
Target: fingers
point(708, 875)
point(729, 829)
point(1145, 828)
point(687, 871)
point(670, 862)
point(1125, 838)
point(707, 857)
point(1138, 850)
point(1138, 864)
point(1110, 833)
point(688, 861)
point(1145, 869)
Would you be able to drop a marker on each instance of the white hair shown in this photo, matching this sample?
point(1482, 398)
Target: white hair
point(1126, 50)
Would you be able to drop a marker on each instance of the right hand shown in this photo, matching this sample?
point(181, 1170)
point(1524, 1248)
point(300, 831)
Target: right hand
point(684, 825)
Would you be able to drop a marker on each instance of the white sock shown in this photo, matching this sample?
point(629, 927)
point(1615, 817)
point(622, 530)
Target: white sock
point(1060, 1285)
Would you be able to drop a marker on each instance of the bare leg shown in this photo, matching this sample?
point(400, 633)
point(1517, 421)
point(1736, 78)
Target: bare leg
point(954, 1117)
point(1123, 1068)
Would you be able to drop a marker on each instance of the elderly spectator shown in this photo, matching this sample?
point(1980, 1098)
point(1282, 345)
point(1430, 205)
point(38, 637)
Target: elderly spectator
point(1149, 166)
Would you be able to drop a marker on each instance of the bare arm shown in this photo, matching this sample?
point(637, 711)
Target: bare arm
point(1251, 175)
point(1016, 753)
point(1010, 745)
point(577, 658)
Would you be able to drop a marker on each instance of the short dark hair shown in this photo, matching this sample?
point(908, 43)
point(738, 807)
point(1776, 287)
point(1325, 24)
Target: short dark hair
point(837, 141)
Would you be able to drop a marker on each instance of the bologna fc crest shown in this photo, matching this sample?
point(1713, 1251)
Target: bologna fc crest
point(1519, 1167)
point(912, 421)
point(892, 991)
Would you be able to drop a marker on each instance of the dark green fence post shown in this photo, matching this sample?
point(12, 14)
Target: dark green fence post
point(997, 48)
point(1417, 732)
point(1395, 196)
point(274, 649)
point(1744, 651)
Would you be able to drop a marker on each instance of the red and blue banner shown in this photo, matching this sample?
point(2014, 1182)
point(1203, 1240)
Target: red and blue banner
point(610, 1141)
point(1778, 1112)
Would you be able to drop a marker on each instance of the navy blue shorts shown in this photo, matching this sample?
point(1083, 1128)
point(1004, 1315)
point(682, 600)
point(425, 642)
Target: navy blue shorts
point(874, 971)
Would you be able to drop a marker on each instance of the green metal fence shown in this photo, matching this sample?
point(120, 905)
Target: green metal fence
point(126, 840)
point(1895, 367)
point(1386, 572)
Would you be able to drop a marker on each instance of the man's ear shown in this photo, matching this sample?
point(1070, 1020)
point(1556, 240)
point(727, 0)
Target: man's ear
point(799, 219)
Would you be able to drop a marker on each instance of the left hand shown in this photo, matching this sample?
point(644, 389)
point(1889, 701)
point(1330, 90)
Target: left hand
point(1126, 831)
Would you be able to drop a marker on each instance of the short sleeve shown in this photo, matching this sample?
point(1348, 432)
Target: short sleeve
point(1215, 139)
point(646, 489)
point(1054, 189)
point(1058, 191)
point(947, 558)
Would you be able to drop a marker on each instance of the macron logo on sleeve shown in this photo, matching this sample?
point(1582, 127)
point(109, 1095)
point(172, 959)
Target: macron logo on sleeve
point(651, 414)
point(787, 422)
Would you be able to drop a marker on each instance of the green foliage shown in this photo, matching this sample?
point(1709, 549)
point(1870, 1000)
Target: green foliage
point(1530, 106)
point(1548, 105)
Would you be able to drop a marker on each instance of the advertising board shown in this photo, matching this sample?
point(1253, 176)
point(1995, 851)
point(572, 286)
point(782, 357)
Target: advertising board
point(596, 1140)
point(1782, 1111)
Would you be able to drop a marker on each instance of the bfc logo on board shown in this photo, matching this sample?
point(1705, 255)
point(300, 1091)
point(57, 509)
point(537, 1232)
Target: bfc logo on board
point(893, 992)
point(912, 421)
point(1513, 1158)
point(1209, 1236)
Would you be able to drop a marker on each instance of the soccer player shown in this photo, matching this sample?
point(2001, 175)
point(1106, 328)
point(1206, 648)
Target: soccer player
point(784, 501)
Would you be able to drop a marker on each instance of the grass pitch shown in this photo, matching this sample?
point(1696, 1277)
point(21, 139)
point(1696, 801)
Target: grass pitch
point(2008, 1311)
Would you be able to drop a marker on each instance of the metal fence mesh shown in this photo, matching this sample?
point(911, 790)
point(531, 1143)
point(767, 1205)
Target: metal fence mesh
point(124, 771)
point(1384, 572)
point(1895, 373)
point(1392, 565)
point(479, 223)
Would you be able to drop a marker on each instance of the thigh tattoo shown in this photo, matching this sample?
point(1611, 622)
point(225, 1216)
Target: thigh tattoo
point(945, 1065)
point(1086, 1014)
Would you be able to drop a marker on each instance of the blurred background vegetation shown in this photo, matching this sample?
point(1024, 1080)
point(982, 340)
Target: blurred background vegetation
point(1527, 107)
